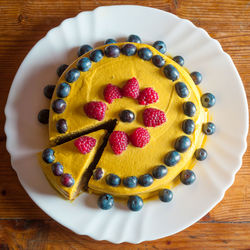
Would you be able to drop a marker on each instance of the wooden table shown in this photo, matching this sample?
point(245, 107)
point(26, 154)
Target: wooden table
point(22, 224)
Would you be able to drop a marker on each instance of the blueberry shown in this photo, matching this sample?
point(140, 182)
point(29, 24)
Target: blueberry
point(84, 49)
point(145, 54)
point(127, 116)
point(113, 180)
point(208, 128)
point(84, 64)
point(109, 41)
point(43, 116)
point(200, 154)
point(159, 172)
point(98, 173)
point(63, 90)
point(158, 61)
point(171, 72)
point(166, 195)
point(187, 177)
point(134, 39)
point(62, 126)
point(146, 180)
point(181, 89)
point(67, 180)
point(96, 55)
point(208, 100)
point(105, 201)
point(129, 49)
point(48, 155)
point(59, 105)
point(130, 181)
point(172, 158)
point(57, 169)
point(72, 75)
point(182, 144)
point(197, 77)
point(160, 46)
point(189, 109)
point(61, 69)
point(49, 90)
point(135, 203)
point(179, 60)
point(188, 126)
point(112, 51)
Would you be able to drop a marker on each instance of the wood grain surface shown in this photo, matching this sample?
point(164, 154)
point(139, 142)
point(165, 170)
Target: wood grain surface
point(22, 224)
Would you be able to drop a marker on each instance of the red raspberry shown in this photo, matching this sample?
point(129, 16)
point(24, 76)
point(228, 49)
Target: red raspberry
point(95, 110)
point(153, 117)
point(140, 137)
point(111, 92)
point(131, 88)
point(118, 141)
point(85, 144)
point(148, 96)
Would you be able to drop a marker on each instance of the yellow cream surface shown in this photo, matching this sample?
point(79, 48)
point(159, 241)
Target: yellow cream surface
point(74, 163)
point(134, 161)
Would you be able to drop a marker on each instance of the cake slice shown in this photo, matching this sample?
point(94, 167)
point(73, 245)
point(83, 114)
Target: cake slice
point(68, 166)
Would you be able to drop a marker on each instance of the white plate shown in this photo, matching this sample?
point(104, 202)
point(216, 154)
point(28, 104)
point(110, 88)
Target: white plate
point(25, 136)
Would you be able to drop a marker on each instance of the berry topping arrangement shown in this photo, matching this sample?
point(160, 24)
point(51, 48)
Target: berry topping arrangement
point(126, 122)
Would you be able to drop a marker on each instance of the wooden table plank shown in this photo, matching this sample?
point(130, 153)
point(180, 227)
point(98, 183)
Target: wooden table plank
point(22, 224)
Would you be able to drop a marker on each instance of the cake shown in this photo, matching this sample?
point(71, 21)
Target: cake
point(156, 115)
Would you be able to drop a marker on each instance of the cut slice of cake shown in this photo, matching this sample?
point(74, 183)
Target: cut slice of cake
point(67, 166)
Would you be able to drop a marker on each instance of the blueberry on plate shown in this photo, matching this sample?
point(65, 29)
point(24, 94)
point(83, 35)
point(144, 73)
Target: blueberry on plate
point(160, 46)
point(98, 173)
point(172, 158)
point(49, 90)
point(96, 55)
point(189, 109)
point(58, 106)
point(135, 203)
point(200, 154)
point(145, 180)
point(182, 144)
point(158, 61)
point(197, 77)
point(134, 39)
point(208, 100)
point(127, 116)
point(109, 41)
point(187, 177)
point(112, 51)
point(188, 126)
point(145, 54)
point(62, 126)
point(165, 195)
point(57, 168)
point(129, 49)
point(171, 72)
point(43, 116)
point(208, 128)
point(84, 64)
point(179, 60)
point(159, 171)
point(105, 201)
point(63, 90)
point(67, 180)
point(113, 180)
point(130, 181)
point(48, 155)
point(72, 75)
point(61, 69)
point(181, 89)
point(84, 49)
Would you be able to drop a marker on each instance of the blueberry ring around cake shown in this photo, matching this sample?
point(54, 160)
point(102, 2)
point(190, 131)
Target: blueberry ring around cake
point(159, 120)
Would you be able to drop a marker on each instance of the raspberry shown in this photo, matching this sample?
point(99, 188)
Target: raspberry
point(140, 137)
point(118, 141)
point(111, 92)
point(85, 144)
point(153, 117)
point(148, 96)
point(95, 110)
point(131, 88)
